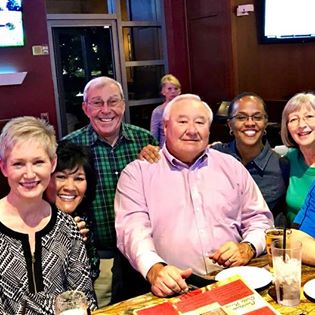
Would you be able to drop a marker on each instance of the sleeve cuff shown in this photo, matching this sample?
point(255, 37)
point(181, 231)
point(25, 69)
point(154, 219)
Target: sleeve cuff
point(147, 260)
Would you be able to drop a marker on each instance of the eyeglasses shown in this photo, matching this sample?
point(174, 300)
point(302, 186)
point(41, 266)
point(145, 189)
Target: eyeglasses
point(295, 121)
point(111, 102)
point(244, 117)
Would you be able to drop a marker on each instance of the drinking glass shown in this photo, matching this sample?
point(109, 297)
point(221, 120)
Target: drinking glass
point(287, 267)
point(272, 235)
point(71, 303)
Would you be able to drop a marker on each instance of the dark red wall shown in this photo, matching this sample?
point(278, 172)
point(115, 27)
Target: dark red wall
point(36, 94)
point(175, 20)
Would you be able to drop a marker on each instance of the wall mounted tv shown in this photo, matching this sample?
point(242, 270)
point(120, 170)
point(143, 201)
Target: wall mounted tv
point(11, 24)
point(287, 21)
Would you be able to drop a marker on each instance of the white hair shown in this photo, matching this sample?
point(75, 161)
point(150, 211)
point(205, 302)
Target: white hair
point(192, 97)
point(100, 82)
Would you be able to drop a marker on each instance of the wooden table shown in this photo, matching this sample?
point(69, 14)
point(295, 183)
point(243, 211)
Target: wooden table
point(305, 307)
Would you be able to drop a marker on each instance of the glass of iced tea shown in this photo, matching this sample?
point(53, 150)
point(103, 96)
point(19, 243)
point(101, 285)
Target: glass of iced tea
point(273, 234)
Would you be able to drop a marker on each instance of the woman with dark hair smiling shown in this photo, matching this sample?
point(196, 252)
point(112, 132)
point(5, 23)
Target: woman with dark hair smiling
point(247, 120)
point(72, 189)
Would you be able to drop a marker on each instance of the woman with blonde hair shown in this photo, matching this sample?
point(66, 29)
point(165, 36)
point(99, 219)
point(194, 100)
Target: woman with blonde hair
point(170, 88)
point(41, 252)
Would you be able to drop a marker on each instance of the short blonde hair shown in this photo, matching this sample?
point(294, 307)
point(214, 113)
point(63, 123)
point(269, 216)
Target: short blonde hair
point(169, 78)
point(25, 128)
point(294, 104)
point(101, 82)
point(192, 97)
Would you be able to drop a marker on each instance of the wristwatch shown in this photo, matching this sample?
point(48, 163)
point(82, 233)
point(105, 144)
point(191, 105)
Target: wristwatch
point(251, 247)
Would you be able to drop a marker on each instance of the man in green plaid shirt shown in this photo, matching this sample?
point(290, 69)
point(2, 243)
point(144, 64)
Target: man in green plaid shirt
point(113, 144)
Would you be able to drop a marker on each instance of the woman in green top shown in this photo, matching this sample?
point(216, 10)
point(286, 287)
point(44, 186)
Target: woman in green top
point(298, 133)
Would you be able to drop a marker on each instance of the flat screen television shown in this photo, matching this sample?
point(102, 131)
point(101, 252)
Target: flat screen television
point(11, 23)
point(286, 21)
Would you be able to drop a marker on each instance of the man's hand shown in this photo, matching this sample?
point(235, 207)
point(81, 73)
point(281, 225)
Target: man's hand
point(167, 280)
point(84, 231)
point(233, 254)
point(150, 153)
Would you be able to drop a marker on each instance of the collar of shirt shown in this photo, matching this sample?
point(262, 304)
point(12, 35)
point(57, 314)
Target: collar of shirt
point(176, 163)
point(124, 133)
point(260, 161)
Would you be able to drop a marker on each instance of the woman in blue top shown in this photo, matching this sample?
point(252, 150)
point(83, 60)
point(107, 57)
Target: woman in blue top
point(305, 219)
point(247, 120)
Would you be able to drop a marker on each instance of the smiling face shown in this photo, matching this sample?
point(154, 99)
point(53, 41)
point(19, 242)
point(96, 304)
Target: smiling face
point(106, 119)
point(67, 189)
point(169, 91)
point(187, 130)
point(28, 169)
point(250, 131)
point(301, 126)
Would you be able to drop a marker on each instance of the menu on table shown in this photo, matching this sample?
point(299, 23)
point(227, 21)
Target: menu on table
point(231, 296)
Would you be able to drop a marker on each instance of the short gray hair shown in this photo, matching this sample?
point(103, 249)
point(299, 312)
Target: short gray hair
point(192, 97)
point(25, 128)
point(294, 104)
point(101, 82)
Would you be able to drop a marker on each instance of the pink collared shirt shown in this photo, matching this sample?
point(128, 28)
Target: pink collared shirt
point(178, 214)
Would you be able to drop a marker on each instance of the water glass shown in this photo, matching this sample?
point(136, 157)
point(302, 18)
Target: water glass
point(71, 303)
point(272, 235)
point(287, 267)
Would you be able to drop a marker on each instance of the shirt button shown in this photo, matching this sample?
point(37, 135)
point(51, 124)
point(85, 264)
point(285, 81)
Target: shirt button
point(116, 173)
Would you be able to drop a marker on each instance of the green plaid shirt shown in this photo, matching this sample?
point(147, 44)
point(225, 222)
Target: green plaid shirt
point(109, 162)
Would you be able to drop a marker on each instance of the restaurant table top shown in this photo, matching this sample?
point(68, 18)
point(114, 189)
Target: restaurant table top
point(305, 307)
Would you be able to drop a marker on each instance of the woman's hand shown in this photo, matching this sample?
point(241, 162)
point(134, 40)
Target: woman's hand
point(84, 231)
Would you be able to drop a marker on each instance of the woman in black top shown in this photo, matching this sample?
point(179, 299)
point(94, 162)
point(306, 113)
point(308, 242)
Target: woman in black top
point(41, 251)
point(72, 189)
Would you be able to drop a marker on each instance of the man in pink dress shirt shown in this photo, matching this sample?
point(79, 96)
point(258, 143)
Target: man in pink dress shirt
point(194, 210)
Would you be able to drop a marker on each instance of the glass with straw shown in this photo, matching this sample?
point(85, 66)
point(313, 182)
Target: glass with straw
point(273, 234)
point(287, 267)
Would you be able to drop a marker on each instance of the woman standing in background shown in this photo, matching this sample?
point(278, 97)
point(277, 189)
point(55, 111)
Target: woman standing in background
point(170, 88)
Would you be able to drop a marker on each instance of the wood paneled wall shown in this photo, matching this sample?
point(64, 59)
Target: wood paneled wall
point(210, 49)
point(226, 58)
point(274, 71)
point(177, 42)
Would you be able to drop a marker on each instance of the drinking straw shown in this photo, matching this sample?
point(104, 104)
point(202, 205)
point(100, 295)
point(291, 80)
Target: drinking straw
point(284, 242)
